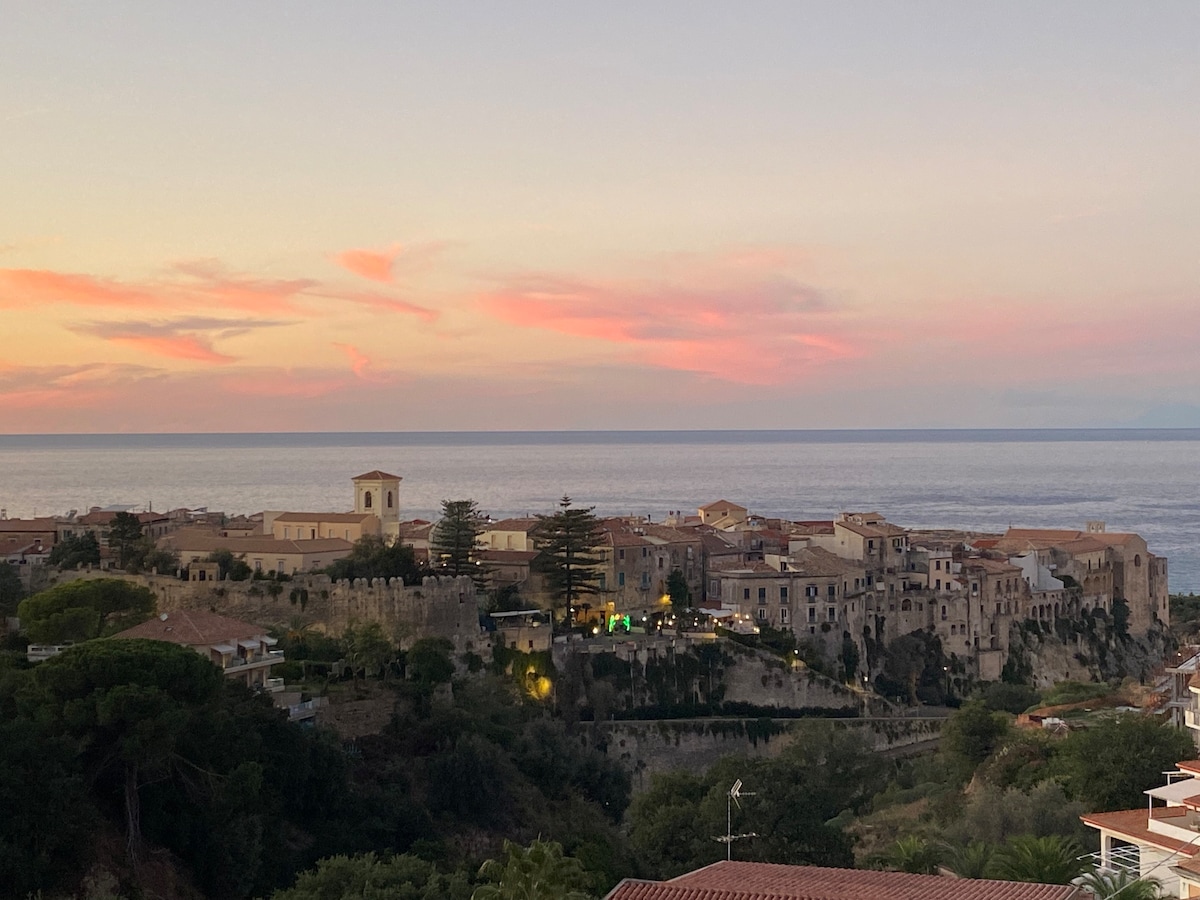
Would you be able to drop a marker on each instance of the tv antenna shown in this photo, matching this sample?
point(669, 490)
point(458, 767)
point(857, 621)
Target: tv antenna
point(734, 796)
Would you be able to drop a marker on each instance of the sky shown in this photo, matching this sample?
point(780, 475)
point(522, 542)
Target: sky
point(244, 216)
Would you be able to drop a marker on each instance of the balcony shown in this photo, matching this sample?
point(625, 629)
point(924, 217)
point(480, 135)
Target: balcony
point(1191, 718)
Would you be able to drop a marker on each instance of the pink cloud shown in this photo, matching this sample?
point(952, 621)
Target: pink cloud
point(375, 265)
point(764, 329)
point(33, 287)
point(189, 347)
point(187, 338)
point(383, 303)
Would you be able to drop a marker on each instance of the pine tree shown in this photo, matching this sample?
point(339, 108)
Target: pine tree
point(455, 539)
point(569, 544)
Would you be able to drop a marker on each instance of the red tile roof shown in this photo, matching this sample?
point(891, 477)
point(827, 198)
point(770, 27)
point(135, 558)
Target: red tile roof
point(1132, 824)
point(376, 475)
point(766, 881)
point(193, 628)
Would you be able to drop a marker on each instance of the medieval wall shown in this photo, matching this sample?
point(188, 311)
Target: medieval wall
point(438, 607)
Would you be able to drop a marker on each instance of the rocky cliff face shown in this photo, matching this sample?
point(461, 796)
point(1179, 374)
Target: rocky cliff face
point(1087, 649)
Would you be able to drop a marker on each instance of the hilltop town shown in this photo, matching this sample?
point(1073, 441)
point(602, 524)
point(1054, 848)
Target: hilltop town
point(847, 586)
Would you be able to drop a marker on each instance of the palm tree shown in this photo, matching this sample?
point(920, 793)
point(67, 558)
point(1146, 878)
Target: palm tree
point(913, 854)
point(537, 872)
point(1046, 860)
point(971, 861)
point(1121, 884)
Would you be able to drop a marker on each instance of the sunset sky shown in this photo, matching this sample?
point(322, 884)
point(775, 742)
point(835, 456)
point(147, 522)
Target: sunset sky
point(462, 216)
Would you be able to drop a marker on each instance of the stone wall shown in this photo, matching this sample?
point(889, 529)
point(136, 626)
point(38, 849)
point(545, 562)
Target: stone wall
point(646, 749)
point(438, 607)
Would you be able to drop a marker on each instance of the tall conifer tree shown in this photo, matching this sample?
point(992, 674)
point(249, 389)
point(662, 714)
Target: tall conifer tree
point(456, 538)
point(569, 542)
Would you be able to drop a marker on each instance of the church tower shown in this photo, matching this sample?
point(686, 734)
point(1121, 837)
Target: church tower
point(378, 494)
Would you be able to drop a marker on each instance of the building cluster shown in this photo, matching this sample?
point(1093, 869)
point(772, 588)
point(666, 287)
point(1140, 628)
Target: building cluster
point(856, 578)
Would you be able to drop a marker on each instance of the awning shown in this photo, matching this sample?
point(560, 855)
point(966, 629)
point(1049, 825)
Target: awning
point(249, 643)
point(224, 648)
point(1177, 791)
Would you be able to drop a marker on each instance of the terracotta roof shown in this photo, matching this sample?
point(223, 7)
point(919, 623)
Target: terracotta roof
point(721, 504)
point(44, 523)
point(207, 543)
point(1190, 765)
point(883, 530)
point(193, 628)
point(625, 539)
point(376, 475)
point(323, 517)
point(1132, 824)
point(766, 881)
point(524, 524)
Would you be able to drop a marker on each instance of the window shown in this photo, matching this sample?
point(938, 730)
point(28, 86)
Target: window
point(645, 552)
point(812, 614)
point(943, 614)
point(621, 554)
point(938, 583)
point(746, 593)
point(645, 580)
point(831, 614)
point(810, 591)
point(783, 613)
point(762, 595)
point(603, 582)
point(620, 579)
point(389, 500)
point(870, 580)
point(287, 532)
point(832, 590)
point(762, 614)
point(937, 564)
point(783, 595)
point(367, 500)
point(974, 587)
point(660, 562)
point(870, 545)
point(258, 565)
point(279, 566)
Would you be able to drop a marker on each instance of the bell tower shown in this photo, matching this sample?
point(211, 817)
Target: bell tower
point(378, 493)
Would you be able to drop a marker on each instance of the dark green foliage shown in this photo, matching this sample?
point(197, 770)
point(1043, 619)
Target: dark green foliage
point(372, 557)
point(538, 872)
point(229, 566)
point(11, 590)
point(455, 538)
point(124, 536)
point(74, 551)
point(1109, 765)
point(973, 732)
point(1120, 617)
point(1046, 860)
point(999, 696)
point(429, 661)
point(85, 609)
point(568, 543)
point(914, 669)
point(678, 591)
point(823, 773)
point(915, 855)
point(849, 658)
point(369, 650)
point(403, 877)
point(1185, 611)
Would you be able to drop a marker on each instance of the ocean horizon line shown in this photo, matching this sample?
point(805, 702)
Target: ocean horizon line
point(71, 440)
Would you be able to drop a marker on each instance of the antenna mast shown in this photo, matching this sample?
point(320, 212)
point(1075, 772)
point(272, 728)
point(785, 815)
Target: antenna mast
point(734, 796)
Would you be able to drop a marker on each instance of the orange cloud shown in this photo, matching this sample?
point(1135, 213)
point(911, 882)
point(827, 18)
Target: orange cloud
point(361, 364)
point(34, 287)
point(375, 265)
point(188, 338)
point(384, 303)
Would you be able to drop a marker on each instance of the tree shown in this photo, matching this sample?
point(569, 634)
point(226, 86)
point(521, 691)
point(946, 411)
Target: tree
point(74, 551)
point(678, 591)
point(373, 557)
point(129, 702)
point(229, 566)
point(913, 854)
point(368, 877)
point(537, 872)
point(368, 648)
point(1121, 884)
point(124, 537)
point(1045, 860)
point(85, 609)
point(569, 542)
point(971, 861)
point(429, 661)
point(11, 590)
point(973, 732)
point(455, 539)
point(1110, 765)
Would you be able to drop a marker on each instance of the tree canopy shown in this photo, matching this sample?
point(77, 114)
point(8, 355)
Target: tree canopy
point(569, 544)
point(455, 539)
point(85, 609)
point(124, 537)
point(75, 550)
point(11, 589)
point(373, 557)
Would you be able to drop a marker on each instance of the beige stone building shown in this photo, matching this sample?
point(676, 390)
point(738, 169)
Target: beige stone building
point(310, 526)
point(262, 554)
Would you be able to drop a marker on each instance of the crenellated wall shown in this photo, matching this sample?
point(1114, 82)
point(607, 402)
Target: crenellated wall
point(438, 607)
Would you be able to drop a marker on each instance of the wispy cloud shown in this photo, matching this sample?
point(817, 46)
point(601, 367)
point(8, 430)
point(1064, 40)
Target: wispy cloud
point(384, 264)
point(744, 325)
point(187, 338)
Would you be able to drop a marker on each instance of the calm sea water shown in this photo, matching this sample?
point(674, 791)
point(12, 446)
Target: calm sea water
point(1138, 480)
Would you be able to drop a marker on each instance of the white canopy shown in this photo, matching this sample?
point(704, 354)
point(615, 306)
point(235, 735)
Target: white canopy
point(1176, 791)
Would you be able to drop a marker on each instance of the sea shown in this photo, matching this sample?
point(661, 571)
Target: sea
point(1142, 480)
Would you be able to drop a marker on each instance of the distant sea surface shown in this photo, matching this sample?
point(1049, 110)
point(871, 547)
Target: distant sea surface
point(1142, 480)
